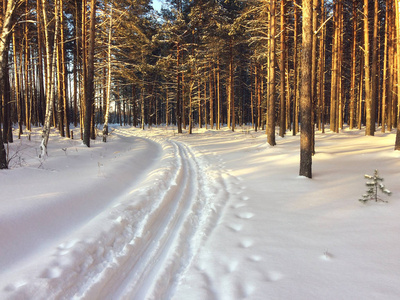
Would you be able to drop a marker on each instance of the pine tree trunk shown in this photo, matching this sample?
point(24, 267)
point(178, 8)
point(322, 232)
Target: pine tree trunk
point(64, 79)
point(397, 143)
point(218, 96)
point(178, 91)
point(321, 73)
point(89, 90)
point(296, 70)
point(374, 70)
point(271, 97)
point(306, 95)
point(353, 68)
point(17, 87)
point(370, 120)
point(384, 71)
point(282, 125)
point(231, 85)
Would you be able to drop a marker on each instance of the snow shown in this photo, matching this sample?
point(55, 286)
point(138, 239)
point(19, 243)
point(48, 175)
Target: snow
point(213, 215)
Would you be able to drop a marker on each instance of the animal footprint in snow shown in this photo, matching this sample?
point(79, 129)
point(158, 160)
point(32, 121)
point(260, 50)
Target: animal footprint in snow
point(326, 256)
point(246, 243)
point(255, 258)
point(235, 227)
point(237, 205)
point(232, 266)
point(274, 276)
point(245, 215)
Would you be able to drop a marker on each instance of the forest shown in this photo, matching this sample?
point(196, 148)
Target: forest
point(279, 66)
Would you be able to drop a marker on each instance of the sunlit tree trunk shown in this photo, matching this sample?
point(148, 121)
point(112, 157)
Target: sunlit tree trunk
point(306, 96)
point(89, 90)
point(370, 120)
point(321, 73)
point(282, 125)
point(353, 68)
point(397, 143)
point(218, 96)
point(374, 69)
point(296, 70)
point(50, 67)
point(231, 87)
point(64, 79)
point(271, 97)
point(17, 87)
point(384, 72)
point(4, 42)
point(108, 84)
point(178, 90)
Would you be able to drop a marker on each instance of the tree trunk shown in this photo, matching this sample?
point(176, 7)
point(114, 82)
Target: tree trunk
point(370, 120)
point(4, 41)
point(89, 90)
point(306, 96)
point(108, 89)
point(296, 70)
point(353, 68)
point(17, 87)
point(321, 73)
point(50, 67)
point(178, 90)
point(384, 71)
point(374, 70)
point(397, 143)
point(271, 97)
point(282, 125)
point(64, 79)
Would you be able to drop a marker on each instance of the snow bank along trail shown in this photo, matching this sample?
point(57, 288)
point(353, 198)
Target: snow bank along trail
point(140, 247)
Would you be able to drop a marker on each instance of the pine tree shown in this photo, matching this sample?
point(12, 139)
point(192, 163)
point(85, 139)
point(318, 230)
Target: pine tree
point(373, 187)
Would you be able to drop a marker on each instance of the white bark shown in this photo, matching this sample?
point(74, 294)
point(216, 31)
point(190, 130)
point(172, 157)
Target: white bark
point(5, 32)
point(50, 67)
point(106, 113)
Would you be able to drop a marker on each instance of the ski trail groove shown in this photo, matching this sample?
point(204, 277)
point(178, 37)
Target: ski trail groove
point(166, 223)
point(168, 237)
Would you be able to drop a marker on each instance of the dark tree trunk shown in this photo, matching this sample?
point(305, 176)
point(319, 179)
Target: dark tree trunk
point(89, 90)
point(305, 93)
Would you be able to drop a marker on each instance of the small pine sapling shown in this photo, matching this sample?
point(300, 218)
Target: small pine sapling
point(374, 185)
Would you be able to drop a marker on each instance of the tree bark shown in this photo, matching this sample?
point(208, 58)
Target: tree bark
point(271, 97)
point(353, 68)
point(306, 95)
point(108, 88)
point(50, 67)
point(370, 120)
point(89, 90)
point(397, 143)
point(282, 125)
point(4, 42)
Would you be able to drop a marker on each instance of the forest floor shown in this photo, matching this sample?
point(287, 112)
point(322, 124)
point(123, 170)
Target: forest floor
point(213, 215)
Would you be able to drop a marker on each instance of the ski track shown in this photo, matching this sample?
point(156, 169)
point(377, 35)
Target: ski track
point(153, 235)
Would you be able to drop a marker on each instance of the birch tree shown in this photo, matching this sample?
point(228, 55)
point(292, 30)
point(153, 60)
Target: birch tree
point(4, 43)
point(108, 88)
point(51, 69)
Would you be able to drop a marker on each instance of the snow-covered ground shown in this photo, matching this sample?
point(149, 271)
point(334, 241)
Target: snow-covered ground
point(213, 215)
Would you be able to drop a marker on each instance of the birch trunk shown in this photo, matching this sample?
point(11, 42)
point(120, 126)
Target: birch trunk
point(4, 40)
point(50, 67)
point(107, 100)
